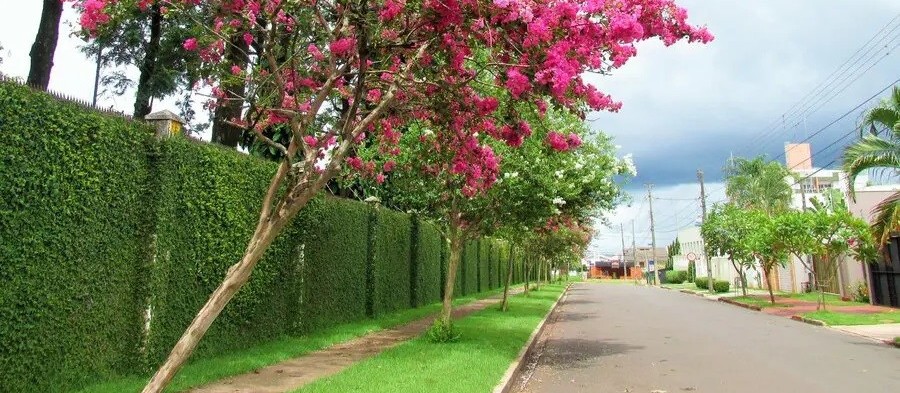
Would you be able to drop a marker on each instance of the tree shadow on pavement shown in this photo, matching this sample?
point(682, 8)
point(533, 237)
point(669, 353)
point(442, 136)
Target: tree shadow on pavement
point(570, 316)
point(579, 353)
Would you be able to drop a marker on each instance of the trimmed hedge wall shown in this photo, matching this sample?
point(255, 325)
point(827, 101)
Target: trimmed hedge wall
point(471, 270)
point(73, 242)
point(102, 225)
point(428, 262)
point(392, 268)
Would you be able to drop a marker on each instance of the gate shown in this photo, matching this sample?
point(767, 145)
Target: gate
point(885, 276)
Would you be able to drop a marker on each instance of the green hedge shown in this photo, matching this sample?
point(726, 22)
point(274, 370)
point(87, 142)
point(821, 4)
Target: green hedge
point(721, 286)
point(200, 236)
point(392, 271)
point(74, 191)
point(484, 265)
point(471, 256)
point(428, 264)
point(702, 282)
point(334, 264)
point(100, 224)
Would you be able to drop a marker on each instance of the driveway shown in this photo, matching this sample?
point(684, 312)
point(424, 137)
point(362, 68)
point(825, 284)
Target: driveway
point(624, 338)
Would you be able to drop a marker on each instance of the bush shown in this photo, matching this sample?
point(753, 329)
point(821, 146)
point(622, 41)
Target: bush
point(721, 286)
point(676, 276)
point(428, 259)
point(701, 282)
point(861, 292)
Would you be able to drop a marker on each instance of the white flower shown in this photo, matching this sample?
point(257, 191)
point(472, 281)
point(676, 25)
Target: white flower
point(559, 201)
point(428, 132)
point(559, 174)
point(372, 199)
point(511, 175)
point(579, 165)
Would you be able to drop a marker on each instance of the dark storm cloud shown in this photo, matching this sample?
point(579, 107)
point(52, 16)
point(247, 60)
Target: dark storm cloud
point(691, 106)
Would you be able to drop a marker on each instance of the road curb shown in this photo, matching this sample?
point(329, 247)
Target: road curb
point(800, 318)
point(739, 304)
point(506, 383)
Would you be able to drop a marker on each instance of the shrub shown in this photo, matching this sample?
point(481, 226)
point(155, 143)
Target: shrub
point(428, 260)
point(676, 276)
point(442, 333)
point(721, 286)
point(702, 282)
point(861, 292)
point(692, 271)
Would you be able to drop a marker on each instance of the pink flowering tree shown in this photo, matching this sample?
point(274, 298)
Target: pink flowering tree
point(341, 72)
point(537, 181)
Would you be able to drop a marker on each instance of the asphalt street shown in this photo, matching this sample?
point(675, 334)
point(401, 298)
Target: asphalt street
point(625, 338)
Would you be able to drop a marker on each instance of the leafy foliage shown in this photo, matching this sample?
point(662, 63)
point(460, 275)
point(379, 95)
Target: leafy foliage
point(74, 231)
point(721, 286)
point(758, 184)
point(676, 276)
point(702, 282)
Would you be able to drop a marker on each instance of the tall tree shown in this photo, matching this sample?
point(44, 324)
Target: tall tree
point(398, 64)
point(757, 184)
point(44, 46)
point(141, 34)
point(878, 148)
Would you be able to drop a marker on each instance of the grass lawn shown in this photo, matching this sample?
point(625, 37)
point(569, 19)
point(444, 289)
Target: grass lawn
point(830, 299)
point(490, 341)
point(757, 301)
point(207, 370)
point(839, 318)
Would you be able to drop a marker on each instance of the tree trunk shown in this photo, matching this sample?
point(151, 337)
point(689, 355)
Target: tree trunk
point(44, 46)
point(270, 225)
point(768, 284)
point(456, 243)
point(509, 273)
point(145, 93)
point(231, 106)
point(525, 267)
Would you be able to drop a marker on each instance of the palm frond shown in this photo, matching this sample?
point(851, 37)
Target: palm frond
point(886, 218)
point(868, 153)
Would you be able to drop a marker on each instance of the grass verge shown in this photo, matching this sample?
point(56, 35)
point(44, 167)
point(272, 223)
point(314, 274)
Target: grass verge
point(490, 340)
point(757, 301)
point(837, 318)
point(203, 371)
point(830, 299)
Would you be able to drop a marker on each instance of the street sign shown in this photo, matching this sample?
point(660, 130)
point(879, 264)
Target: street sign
point(691, 256)
point(615, 265)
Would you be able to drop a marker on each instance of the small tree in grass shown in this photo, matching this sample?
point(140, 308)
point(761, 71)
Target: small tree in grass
point(726, 231)
point(835, 232)
point(765, 245)
point(337, 73)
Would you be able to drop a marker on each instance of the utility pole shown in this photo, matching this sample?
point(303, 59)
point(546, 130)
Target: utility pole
point(624, 263)
point(652, 234)
point(633, 250)
point(709, 275)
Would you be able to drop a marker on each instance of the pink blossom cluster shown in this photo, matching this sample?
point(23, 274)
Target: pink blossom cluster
point(562, 143)
point(535, 50)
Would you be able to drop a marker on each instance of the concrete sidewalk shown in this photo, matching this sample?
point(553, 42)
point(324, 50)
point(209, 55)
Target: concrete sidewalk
point(884, 333)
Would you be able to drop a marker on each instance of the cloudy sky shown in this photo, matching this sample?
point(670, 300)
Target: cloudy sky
point(778, 71)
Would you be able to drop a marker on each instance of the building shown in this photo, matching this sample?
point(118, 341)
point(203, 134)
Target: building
point(815, 183)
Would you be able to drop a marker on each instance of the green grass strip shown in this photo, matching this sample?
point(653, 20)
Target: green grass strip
point(490, 341)
point(837, 318)
point(203, 371)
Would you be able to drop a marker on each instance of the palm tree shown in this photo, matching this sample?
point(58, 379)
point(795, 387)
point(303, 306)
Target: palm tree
point(878, 148)
point(757, 184)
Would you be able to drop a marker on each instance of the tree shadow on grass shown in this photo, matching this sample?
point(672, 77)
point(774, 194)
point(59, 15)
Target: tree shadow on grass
point(569, 353)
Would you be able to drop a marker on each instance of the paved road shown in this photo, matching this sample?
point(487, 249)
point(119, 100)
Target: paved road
point(623, 338)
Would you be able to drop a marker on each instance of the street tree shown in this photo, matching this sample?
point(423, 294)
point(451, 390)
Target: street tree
point(835, 233)
point(727, 231)
point(765, 245)
point(366, 69)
